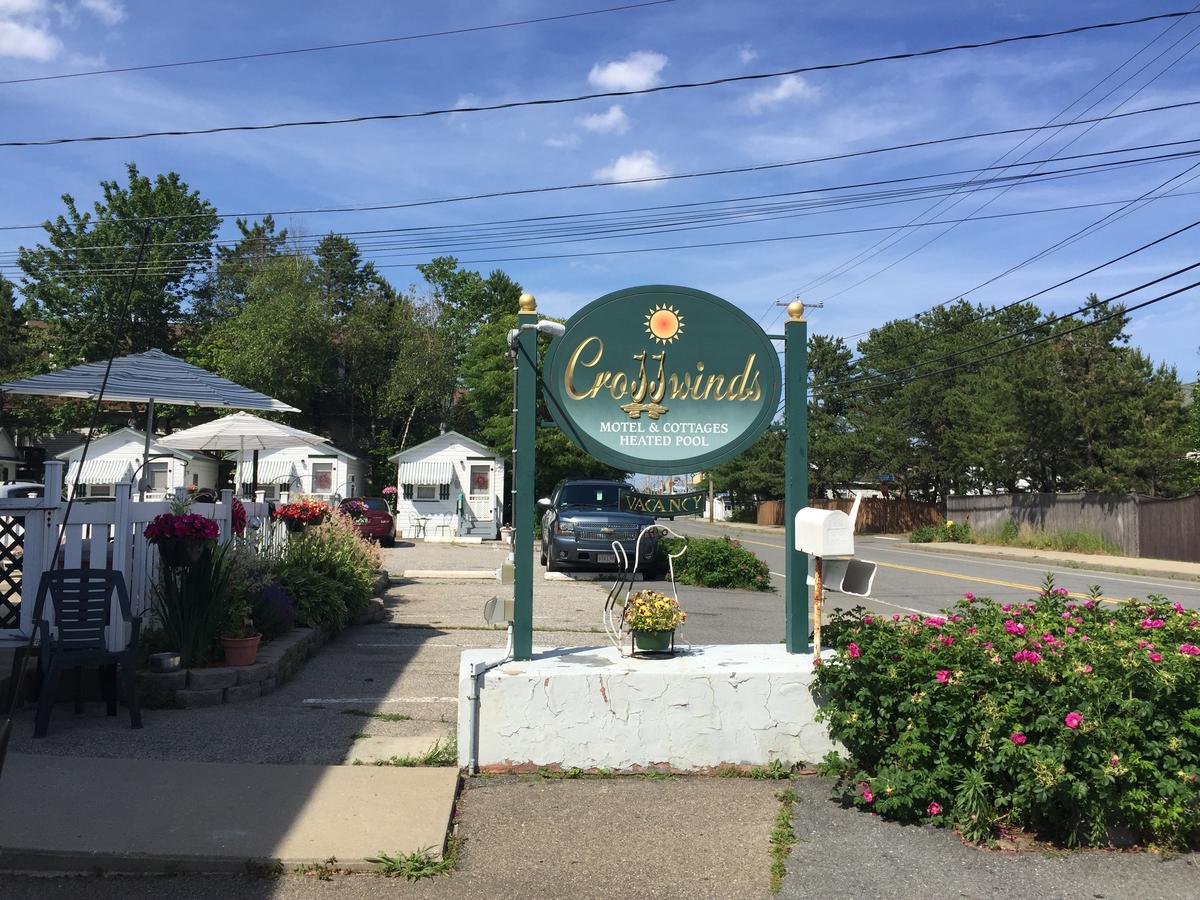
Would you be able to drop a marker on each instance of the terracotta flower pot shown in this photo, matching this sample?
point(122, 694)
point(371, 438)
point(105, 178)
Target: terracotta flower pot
point(179, 552)
point(240, 651)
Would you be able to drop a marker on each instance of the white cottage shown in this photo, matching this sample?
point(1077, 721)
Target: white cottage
point(319, 470)
point(117, 457)
point(449, 488)
point(10, 457)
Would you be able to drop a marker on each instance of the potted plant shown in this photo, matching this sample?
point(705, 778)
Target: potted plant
point(389, 497)
point(239, 638)
point(299, 514)
point(652, 618)
point(180, 535)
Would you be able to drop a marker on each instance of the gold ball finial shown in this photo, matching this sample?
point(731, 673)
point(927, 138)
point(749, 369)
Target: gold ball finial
point(796, 311)
point(527, 303)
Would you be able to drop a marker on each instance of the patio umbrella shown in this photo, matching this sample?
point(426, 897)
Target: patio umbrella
point(239, 432)
point(150, 377)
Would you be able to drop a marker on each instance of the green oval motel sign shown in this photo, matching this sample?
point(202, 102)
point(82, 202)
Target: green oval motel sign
point(662, 379)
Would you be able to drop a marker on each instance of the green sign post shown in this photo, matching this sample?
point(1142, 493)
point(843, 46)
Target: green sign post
point(795, 475)
point(659, 379)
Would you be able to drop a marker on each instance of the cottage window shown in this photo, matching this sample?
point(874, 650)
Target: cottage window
point(427, 491)
point(322, 478)
point(99, 490)
point(159, 476)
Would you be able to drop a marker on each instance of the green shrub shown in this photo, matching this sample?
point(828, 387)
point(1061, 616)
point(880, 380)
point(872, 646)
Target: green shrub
point(1079, 722)
point(942, 532)
point(718, 563)
point(1069, 541)
point(746, 513)
point(330, 572)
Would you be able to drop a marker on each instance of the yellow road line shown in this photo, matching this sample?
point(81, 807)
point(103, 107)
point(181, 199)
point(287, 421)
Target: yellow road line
point(981, 580)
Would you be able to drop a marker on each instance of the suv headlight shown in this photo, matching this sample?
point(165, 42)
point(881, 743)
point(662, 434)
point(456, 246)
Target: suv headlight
point(564, 527)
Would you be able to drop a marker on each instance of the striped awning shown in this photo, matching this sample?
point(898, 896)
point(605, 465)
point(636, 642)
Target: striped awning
point(270, 471)
point(425, 473)
point(101, 471)
point(141, 377)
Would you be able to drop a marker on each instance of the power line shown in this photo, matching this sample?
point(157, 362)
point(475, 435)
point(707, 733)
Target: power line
point(556, 101)
point(1114, 215)
point(324, 47)
point(738, 170)
point(868, 376)
point(734, 208)
point(876, 249)
point(710, 244)
point(1052, 337)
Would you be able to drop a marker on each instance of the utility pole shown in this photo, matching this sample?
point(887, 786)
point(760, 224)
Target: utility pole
point(710, 496)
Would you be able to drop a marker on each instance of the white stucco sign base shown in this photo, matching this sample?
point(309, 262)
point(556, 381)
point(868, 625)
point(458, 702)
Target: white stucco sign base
point(591, 708)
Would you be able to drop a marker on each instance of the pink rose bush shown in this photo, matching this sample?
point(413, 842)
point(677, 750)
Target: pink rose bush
point(1073, 727)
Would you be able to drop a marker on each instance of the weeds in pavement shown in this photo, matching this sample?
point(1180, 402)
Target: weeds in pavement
point(414, 866)
point(264, 868)
point(776, 770)
point(359, 735)
point(382, 717)
point(783, 838)
point(323, 871)
point(442, 753)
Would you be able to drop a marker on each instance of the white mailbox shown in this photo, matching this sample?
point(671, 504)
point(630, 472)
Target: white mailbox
point(824, 532)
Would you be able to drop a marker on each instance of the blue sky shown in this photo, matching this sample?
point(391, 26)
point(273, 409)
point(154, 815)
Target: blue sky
point(675, 132)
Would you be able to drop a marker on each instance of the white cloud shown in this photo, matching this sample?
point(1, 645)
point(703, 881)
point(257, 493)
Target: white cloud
point(22, 41)
point(746, 54)
point(790, 87)
point(612, 121)
point(110, 12)
point(562, 141)
point(633, 166)
point(633, 73)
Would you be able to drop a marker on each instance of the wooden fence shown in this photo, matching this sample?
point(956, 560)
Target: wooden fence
point(99, 535)
point(876, 515)
point(1140, 526)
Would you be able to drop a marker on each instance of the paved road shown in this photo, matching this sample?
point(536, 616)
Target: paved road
point(925, 581)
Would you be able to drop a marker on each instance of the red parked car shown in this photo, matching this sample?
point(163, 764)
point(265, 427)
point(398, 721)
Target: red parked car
point(372, 517)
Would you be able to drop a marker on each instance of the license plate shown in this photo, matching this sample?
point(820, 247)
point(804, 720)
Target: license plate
point(606, 557)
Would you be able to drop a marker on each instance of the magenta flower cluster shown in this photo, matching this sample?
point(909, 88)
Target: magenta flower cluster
point(181, 526)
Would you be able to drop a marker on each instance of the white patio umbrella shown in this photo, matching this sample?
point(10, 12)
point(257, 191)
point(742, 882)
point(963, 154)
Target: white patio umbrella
point(241, 431)
point(150, 377)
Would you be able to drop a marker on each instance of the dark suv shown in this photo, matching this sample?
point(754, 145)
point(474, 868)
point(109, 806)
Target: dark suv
point(582, 520)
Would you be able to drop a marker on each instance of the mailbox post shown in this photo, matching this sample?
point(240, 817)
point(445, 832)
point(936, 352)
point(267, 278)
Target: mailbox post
point(824, 533)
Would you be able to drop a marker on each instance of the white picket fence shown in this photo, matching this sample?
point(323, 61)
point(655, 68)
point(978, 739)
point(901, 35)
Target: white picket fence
point(100, 535)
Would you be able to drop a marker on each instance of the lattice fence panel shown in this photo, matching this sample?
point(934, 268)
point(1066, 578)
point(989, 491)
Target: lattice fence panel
point(12, 545)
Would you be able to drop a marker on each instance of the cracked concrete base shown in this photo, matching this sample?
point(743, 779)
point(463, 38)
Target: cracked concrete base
point(591, 708)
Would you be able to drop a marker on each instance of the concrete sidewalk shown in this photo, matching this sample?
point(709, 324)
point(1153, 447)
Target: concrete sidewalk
point(1159, 568)
point(120, 815)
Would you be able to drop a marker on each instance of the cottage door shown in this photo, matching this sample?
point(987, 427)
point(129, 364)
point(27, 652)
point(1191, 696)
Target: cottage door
point(479, 491)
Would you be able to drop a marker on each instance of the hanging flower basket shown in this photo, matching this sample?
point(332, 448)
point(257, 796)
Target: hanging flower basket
point(653, 641)
point(299, 514)
point(180, 537)
point(179, 552)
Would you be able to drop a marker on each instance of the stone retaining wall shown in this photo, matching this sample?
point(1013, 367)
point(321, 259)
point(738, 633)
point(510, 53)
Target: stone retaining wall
point(277, 662)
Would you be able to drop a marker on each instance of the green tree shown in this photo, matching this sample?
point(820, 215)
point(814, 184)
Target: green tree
point(758, 473)
point(78, 279)
point(342, 276)
point(222, 293)
point(488, 382)
point(279, 342)
point(832, 459)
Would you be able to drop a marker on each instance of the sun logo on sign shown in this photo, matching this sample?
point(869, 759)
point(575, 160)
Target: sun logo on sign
point(663, 324)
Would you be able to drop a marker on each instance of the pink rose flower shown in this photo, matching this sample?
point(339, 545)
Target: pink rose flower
point(853, 651)
point(969, 597)
point(943, 675)
point(1018, 738)
point(1189, 649)
point(1073, 719)
point(934, 808)
point(1155, 657)
point(867, 796)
